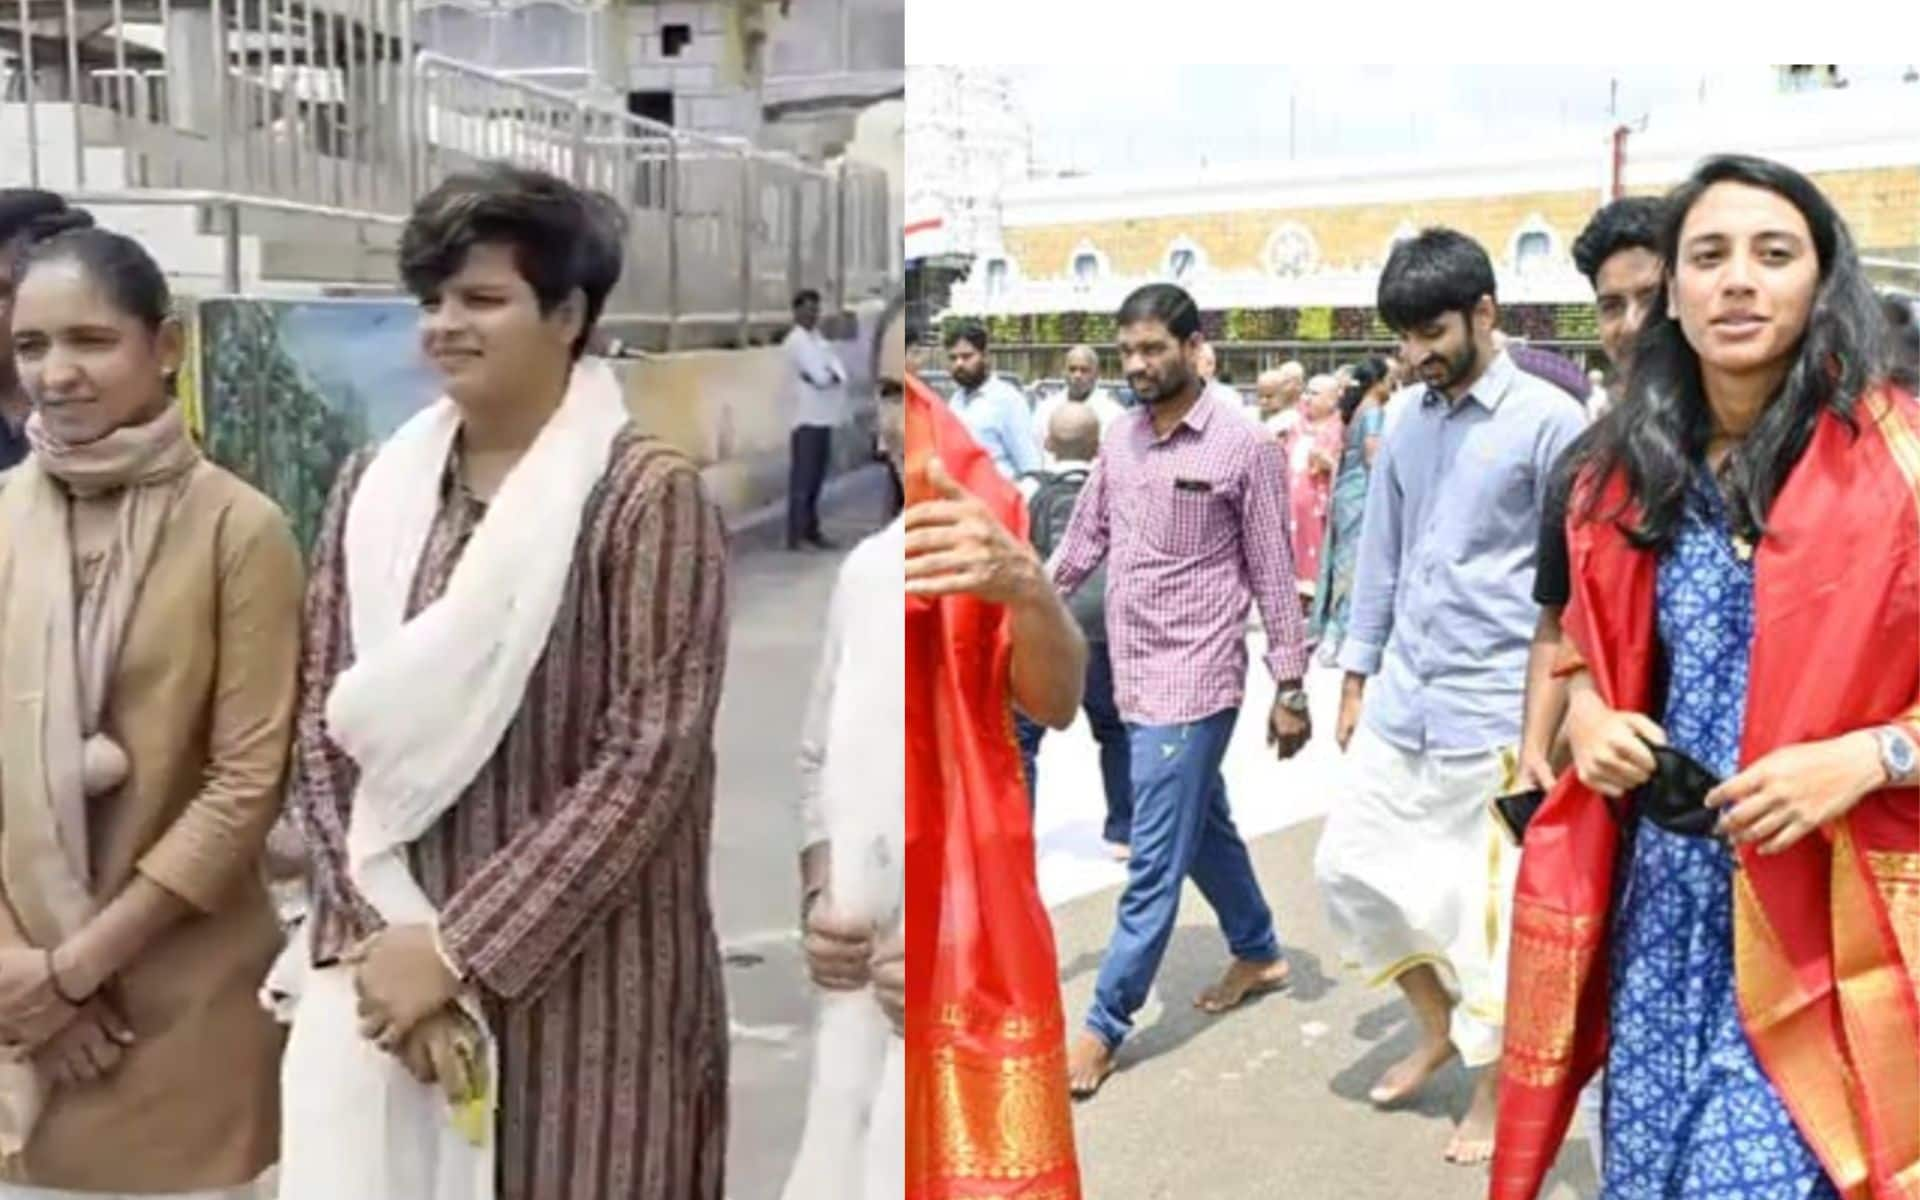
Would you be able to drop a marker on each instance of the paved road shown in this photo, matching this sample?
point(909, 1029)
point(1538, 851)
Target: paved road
point(1268, 1102)
point(779, 616)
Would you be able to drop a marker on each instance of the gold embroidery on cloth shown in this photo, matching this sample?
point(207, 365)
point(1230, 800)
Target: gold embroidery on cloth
point(1550, 952)
point(1796, 1054)
point(1000, 1118)
point(1898, 876)
point(1011, 1029)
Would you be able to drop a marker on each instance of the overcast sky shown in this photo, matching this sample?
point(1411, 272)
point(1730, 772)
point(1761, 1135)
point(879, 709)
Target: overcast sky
point(1121, 118)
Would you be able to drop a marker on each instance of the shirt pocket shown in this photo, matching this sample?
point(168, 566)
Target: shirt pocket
point(1186, 516)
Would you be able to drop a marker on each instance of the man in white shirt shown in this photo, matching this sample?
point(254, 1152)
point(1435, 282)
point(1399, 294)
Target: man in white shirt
point(819, 407)
point(1083, 387)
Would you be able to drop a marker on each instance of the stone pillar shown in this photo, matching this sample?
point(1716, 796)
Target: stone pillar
point(194, 71)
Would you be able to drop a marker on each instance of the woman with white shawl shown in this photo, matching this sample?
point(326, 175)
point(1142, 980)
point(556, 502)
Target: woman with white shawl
point(516, 635)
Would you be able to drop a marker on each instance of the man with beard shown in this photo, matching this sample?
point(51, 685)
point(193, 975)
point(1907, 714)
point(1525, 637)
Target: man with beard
point(1187, 507)
point(1083, 387)
point(1416, 879)
point(994, 411)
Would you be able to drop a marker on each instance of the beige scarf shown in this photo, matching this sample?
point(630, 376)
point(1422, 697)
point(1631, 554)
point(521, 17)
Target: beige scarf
point(59, 652)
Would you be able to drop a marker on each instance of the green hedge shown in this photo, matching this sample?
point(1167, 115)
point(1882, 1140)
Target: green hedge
point(1539, 322)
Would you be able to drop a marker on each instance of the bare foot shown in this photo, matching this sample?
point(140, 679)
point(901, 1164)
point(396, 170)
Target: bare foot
point(1120, 850)
point(1405, 1078)
point(1089, 1062)
point(1242, 980)
point(1473, 1140)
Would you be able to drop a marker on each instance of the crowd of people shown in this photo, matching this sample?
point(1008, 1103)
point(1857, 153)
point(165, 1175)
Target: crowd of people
point(1620, 851)
point(477, 718)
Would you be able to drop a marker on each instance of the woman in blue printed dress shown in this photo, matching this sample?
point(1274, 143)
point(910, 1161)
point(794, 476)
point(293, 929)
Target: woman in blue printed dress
point(1689, 1114)
point(1758, 1028)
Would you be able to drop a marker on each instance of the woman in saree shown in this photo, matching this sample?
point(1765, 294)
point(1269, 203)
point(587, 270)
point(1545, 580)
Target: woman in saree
point(987, 1107)
point(1363, 416)
point(1738, 949)
point(1313, 453)
point(149, 644)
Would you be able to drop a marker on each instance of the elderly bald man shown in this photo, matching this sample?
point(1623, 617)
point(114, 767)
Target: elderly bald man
point(1083, 387)
point(1277, 395)
point(1073, 442)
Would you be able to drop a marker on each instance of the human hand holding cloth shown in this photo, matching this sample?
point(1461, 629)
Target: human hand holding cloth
point(31, 1010)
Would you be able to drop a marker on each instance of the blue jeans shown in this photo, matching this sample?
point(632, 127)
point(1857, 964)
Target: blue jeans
point(1181, 827)
point(1108, 731)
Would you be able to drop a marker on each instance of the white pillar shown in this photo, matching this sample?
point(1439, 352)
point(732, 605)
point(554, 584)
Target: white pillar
point(193, 71)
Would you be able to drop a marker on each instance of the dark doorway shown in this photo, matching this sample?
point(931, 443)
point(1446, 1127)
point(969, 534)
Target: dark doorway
point(651, 106)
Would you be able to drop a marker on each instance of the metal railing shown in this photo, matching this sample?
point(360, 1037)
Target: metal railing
point(328, 108)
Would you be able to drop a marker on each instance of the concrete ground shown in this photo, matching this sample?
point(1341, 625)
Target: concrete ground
point(779, 602)
point(1268, 1101)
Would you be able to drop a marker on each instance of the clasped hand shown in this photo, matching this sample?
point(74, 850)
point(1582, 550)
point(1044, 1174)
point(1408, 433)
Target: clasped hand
point(401, 980)
point(31, 1010)
point(844, 956)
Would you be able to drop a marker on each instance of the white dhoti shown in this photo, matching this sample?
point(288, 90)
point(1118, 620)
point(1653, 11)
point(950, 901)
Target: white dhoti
point(1414, 870)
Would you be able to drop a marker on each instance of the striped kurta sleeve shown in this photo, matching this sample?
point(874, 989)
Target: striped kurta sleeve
point(321, 795)
point(518, 918)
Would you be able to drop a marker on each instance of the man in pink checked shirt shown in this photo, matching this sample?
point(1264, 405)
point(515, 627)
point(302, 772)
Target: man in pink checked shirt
point(1187, 506)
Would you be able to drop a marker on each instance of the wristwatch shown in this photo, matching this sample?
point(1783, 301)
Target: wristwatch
point(1294, 700)
point(1898, 756)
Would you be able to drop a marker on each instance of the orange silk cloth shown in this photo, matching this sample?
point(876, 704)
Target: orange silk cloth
point(988, 1113)
point(1826, 933)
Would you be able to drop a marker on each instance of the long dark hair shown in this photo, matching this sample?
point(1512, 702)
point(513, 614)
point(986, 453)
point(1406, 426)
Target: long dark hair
point(1658, 433)
point(1366, 376)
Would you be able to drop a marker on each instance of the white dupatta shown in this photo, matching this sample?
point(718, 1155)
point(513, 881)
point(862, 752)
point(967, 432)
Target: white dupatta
point(854, 1144)
point(420, 711)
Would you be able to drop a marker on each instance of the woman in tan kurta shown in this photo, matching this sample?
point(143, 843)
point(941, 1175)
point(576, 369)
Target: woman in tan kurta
point(149, 626)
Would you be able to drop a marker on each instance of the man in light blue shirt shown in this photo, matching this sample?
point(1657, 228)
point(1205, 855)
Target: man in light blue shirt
point(1415, 878)
point(995, 412)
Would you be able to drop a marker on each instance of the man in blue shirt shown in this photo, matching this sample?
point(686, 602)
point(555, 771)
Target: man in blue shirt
point(1416, 878)
point(995, 412)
